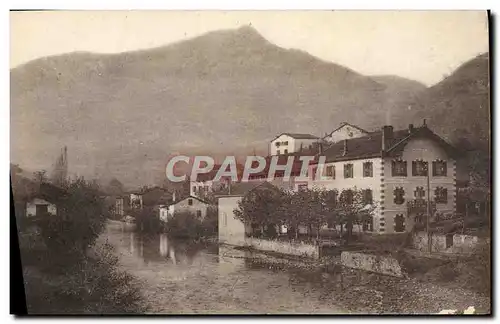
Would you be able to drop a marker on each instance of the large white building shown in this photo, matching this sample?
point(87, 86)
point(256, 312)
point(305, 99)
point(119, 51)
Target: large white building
point(390, 166)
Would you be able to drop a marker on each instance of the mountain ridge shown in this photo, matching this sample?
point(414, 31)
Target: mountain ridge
point(123, 114)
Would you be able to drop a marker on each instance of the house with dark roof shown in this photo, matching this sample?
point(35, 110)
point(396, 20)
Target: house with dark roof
point(286, 143)
point(207, 183)
point(392, 168)
point(191, 204)
point(32, 198)
point(232, 230)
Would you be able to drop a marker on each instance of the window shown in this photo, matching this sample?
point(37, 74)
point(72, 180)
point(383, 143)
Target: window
point(286, 151)
point(195, 189)
point(368, 223)
point(330, 171)
point(367, 197)
point(285, 143)
point(348, 170)
point(419, 193)
point(198, 213)
point(190, 202)
point(399, 168)
point(419, 168)
point(368, 169)
point(439, 168)
point(313, 170)
point(399, 195)
point(278, 152)
point(441, 195)
point(399, 223)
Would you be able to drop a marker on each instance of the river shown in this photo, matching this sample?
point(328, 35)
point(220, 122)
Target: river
point(182, 278)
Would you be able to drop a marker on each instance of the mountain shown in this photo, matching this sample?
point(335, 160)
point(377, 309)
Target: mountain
point(225, 92)
point(459, 105)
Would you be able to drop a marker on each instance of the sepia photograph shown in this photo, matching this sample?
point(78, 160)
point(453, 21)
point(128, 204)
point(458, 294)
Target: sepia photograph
point(250, 162)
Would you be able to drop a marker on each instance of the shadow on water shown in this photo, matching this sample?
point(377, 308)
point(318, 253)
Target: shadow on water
point(159, 248)
point(210, 276)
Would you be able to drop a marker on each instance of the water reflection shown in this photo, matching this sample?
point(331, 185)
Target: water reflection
point(183, 277)
point(159, 248)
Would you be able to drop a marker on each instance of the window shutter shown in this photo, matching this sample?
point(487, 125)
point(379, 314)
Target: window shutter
point(414, 168)
point(434, 168)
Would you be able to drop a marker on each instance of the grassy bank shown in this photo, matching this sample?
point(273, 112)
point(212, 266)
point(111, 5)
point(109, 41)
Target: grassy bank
point(90, 284)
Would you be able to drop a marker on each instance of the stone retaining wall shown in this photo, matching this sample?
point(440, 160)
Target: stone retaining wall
point(290, 248)
point(456, 243)
point(382, 264)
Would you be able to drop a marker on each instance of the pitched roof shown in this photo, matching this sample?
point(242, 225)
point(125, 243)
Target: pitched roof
point(370, 146)
point(24, 189)
point(347, 124)
point(297, 136)
point(242, 188)
point(188, 197)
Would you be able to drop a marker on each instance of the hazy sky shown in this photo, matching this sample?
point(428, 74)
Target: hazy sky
point(422, 45)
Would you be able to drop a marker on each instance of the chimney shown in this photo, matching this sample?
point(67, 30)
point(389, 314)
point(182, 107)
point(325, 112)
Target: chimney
point(345, 148)
point(387, 134)
point(320, 148)
point(425, 122)
point(410, 128)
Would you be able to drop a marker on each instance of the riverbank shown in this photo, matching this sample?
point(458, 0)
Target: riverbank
point(91, 284)
point(364, 292)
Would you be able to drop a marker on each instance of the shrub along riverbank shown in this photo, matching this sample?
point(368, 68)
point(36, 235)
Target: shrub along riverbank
point(64, 271)
point(365, 292)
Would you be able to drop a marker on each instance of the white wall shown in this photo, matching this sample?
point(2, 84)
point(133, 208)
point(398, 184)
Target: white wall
point(31, 207)
point(344, 132)
point(426, 150)
point(163, 213)
point(293, 144)
point(231, 230)
point(357, 181)
point(273, 149)
point(183, 206)
point(136, 199)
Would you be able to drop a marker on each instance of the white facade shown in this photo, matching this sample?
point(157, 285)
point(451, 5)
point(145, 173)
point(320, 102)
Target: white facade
point(189, 204)
point(358, 181)
point(284, 144)
point(383, 184)
point(136, 200)
point(346, 131)
point(163, 211)
point(231, 229)
point(428, 151)
point(41, 205)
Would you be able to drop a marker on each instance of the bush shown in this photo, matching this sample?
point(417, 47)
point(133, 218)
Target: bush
point(93, 286)
point(80, 220)
point(475, 271)
point(184, 225)
point(187, 225)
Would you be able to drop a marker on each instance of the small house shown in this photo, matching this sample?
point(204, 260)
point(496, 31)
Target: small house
point(191, 204)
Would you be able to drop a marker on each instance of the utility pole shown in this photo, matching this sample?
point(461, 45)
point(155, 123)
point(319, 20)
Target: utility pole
point(465, 217)
point(429, 241)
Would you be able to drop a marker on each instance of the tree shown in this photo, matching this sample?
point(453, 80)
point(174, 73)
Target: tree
point(115, 187)
point(258, 208)
point(81, 218)
point(40, 176)
point(351, 209)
